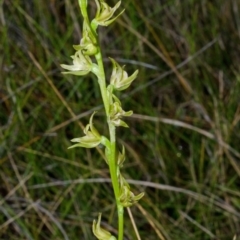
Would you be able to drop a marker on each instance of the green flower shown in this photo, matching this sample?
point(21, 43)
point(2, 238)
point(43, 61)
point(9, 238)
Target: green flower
point(99, 232)
point(88, 43)
point(82, 64)
point(116, 113)
point(119, 78)
point(92, 138)
point(104, 13)
point(127, 198)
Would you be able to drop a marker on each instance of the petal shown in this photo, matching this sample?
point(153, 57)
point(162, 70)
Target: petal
point(99, 232)
point(127, 81)
point(78, 73)
point(85, 145)
point(138, 197)
point(76, 140)
point(98, 7)
point(127, 114)
point(70, 67)
point(121, 157)
point(93, 129)
point(107, 23)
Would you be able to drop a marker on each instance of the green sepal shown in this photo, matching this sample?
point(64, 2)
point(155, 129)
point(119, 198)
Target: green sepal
point(121, 157)
point(88, 44)
point(100, 233)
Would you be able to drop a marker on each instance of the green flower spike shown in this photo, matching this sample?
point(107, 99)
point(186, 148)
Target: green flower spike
point(88, 43)
point(99, 232)
point(82, 64)
point(127, 198)
point(119, 78)
point(116, 113)
point(92, 138)
point(105, 13)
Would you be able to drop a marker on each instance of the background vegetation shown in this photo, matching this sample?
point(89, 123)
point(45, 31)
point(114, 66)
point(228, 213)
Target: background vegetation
point(183, 141)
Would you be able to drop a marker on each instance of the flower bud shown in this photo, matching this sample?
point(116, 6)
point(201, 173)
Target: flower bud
point(87, 47)
point(88, 43)
point(99, 232)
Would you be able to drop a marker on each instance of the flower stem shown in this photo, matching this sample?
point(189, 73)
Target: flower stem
point(83, 8)
point(112, 151)
point(111, 155)
point(120, 221)
point(102, 81)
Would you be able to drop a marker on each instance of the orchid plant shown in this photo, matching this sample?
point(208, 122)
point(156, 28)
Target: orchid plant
point(88, 49)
